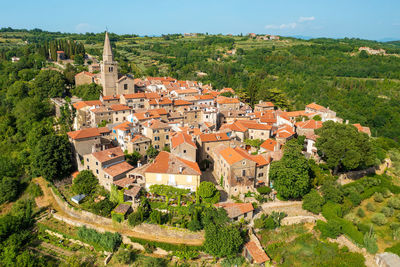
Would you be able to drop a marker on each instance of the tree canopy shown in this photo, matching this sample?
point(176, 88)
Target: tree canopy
point(208, 192)
point(291, 174)
point(343, 147)
point(85, 183)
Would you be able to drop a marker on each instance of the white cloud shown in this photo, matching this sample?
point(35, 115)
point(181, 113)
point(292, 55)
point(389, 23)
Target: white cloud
point(291, 25)
point(83, 27)
point(302, 19)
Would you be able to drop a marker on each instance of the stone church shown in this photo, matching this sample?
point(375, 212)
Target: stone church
point(113, 84)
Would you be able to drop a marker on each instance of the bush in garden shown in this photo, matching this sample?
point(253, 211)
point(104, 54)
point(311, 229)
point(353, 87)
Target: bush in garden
point(352, 218)
point(364, 228)
point(360, 213)
point(394, 202)
point(386, 193)
point(378, 197)
point(388, 212)
point(371, 207)
point(85, 183)
point(264, 190)
point(124, 256)
point(233, 261)
point(108, 241)
point(156, 217)
point(379, 219)
point(355, 198)
point(194, 225)
point(370, 242)
point(394, 226)
point(330, 229)
point(332, 191)
point(313, 202)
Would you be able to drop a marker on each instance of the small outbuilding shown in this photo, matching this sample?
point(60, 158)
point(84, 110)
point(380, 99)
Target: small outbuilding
point(78, 198)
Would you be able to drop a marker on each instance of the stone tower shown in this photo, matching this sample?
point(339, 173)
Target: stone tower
point(109, 69)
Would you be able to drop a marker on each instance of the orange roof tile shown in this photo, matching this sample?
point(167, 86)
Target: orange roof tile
point(227, 100)
point(265, 104)
point(166, 162)
point(125, 126)
point(363, 129)
point(119, 107)
point(259, 256)
point(231, 156)
point(181, 102)
point(269, 144)
point(181, 138)
point(111, 97)
point(118, 169)
point(85, 73)
point(134, 96)
point(108, 154)
point(156, 124)
point(214, 137)
point(235, 209)
point(82, 104)
point(258, 159)
point(310, 124)
point(84, 133)
point(315, 106)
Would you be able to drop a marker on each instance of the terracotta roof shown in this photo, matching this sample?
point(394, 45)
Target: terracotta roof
point(166, 162)
point(85, 73)
point(214, 137)
point(104, 130)
point(204, 97)
point(310, 124)
point(132, 192)
point(265, 104)
point(117, 169)
point(227, 100)
point(181, 102)
point(137, 137)
point(181, 138)
point(258, 159)
point(244, 125)
point(285, 131)
point(82, 104)
point(298, 113)
point(122, 208)
point(259, 256)
point(235, 209)
point(231, 155)
point(134, 96)
point(125, 126)
point(363, 129)
point(315, 106)
point(151, 95)
point(111, 97)
point(84, 133)
point(159, 111)
point(156, 124)
point(146, 115)
point(269, 144)
point(119, 107)
point(186, 91)
point(108, 154)
point(124, 182)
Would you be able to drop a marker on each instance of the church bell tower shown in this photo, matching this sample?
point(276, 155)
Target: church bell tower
point(109, 69)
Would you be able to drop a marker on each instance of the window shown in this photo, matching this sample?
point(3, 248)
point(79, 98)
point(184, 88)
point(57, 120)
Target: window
point(97, 163)
point(88, 167)
point(166, 137)
point(87, 159)
point(116, 119)
point(244, 162)
point(97, 171)
point(125, 86)
point(243, 172)
point(208, 149)
point(110, 69)
point(184, 151)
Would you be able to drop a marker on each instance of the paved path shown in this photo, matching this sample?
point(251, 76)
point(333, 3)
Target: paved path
point(143, 231)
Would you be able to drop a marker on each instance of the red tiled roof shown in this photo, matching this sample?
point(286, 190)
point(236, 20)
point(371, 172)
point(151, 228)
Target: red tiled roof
point(181, 102)
point(258, 159)
point(108, 154)
point(259, 256)
point(285, 131)
point(134, 96)
point(266, 104)
point(231, 155)
point(363, 129)
point(124, 182)
point(82, 104)
point(166, 162)
point(315, 106)
point(269, 144)
point(84, 133)
point(235, 209)
point(214, 137)
point(85, 73)
point(111, 97)
point(119, 107)
point(125, 126)
point(181, 138)
point(310, 124)
point(156, 124)
point(103, 130)
point(227, 100)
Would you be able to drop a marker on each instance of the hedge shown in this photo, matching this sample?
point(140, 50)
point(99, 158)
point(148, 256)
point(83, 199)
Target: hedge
point(166, 246)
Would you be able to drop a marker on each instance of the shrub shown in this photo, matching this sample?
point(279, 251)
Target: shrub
point(394, 226)
point(378, 197)
point(394, 202)
point(34, 190)
point(156, 217)
point(124, 256)
point(135, 218)
point(186, 254)
point(264, 190)
point(379, 219)
point(233, 261)
point(194, 225)
point(394, 249)
point(108, 241)
point(330, 229)
point(85, 183)
point(398, 216)
point(388, 212)
point(117, 217)
point(355, 198)
point(371, 207)
point(370, 242)
point(363, 227)
point(313, 202)
point(386, 193)
point(360, 213)
point(332, 191)
point(352, 218)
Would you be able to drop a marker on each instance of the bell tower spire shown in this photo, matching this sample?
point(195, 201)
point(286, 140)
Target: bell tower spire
point(107, 52)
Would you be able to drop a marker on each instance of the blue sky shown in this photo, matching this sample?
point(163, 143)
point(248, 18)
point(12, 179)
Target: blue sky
point(368, 19)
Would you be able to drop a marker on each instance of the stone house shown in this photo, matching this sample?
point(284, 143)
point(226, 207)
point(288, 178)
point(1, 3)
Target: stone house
point(108, 165)
point(183, 146)
point(158, 132)
point(207, 142)
point(169, 169)
point(134, 101)
point(82, 113)
point(139, 143)
point(83, 140)
point(263, 106)
point(85, 77)
point(307, 127)
point(226, 103)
